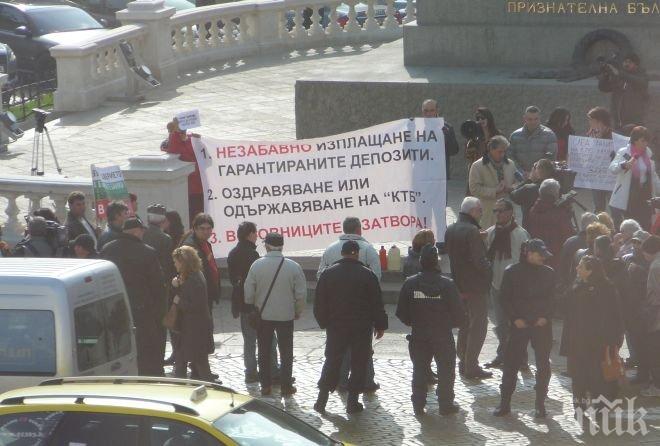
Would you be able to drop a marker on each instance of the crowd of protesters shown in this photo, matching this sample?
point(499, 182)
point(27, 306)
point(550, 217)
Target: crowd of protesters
point(602, 277)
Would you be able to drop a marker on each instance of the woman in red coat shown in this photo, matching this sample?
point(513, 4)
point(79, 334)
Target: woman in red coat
point(179, 143)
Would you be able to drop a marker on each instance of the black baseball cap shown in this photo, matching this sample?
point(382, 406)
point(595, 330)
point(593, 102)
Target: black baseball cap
point(274, 239)
point(538, 245)
point(85, 241)
point(350, 247)
point(133, 223)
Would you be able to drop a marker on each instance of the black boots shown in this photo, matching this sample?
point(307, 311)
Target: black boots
point(352, 403)
point(321, 401)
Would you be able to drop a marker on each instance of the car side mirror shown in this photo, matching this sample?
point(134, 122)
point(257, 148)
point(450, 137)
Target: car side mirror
point(23, 31)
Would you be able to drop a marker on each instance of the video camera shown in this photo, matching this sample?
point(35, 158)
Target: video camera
point(56, 234)
point(471, 129)
point(565, 177)
point(604, 62)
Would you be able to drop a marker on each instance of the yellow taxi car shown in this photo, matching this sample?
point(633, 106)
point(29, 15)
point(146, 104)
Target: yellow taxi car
point(144, 411)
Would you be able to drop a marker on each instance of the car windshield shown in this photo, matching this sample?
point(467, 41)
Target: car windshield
point(56, 20)
point(259, 424)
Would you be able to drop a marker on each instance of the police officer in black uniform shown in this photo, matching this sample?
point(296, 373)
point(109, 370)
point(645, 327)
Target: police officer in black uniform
point(349, 306)
point(430, 304)
point(528, 289)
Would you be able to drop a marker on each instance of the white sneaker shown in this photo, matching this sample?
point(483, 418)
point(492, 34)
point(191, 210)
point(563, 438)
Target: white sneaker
point(650, 391)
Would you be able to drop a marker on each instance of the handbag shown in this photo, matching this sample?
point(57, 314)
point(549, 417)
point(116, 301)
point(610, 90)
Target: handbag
point(612, 366)
point(170, 318)
point(254, 318)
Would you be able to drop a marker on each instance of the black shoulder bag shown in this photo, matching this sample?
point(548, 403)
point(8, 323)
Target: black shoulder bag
point(254, 318)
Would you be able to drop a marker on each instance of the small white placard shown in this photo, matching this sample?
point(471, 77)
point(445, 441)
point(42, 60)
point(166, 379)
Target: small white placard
point(188, 119)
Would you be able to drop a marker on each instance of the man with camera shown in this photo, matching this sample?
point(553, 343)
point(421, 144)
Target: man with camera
point(45, 238)
point(629, 85)
point(527, 193)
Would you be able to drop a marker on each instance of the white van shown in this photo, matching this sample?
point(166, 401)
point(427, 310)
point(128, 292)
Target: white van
point(63, 317)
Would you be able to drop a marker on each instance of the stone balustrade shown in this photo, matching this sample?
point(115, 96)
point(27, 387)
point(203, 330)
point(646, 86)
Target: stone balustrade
point(158, 178)
point(171, 43)
point(92, 71)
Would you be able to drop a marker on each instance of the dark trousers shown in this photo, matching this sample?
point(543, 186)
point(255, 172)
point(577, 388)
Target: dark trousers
point(650, 358)
point(199, 365)
point(265, 333)
point(442, 349)
point(472, 335)
point(339, 340)
point(592, 385)
point(516, 352)
point(150, 337)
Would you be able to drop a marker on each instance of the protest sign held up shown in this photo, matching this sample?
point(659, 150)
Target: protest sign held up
point(109, 185)
point(391, 176)
point(590, 158)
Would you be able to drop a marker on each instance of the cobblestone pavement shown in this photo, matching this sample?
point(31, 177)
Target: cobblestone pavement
point(388, 418)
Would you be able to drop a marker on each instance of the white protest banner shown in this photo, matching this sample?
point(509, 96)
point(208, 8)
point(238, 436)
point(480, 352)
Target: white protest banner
point(109, 185)
point(188, 119)
point(590, 158)
point(391, 176)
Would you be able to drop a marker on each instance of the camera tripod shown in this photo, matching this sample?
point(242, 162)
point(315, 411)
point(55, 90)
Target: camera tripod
point(39, 149)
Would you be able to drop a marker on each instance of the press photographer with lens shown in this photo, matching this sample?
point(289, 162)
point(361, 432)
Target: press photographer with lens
point(628, 83)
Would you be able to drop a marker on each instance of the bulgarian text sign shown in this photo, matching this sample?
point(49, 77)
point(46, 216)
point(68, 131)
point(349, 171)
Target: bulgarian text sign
point(391, 176)
point(590, 158)
point(109, 186)
point(188, 119)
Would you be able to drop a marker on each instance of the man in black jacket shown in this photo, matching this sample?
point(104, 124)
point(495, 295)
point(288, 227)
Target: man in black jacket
point(76, 222)
point(472, 272)
point(349, 306)
point(239, 261)
point(143, 277)
point(430, 110)
point(199, 238)
point(117, 213)
point(161, 242)
point(429, 303)
point(629, 87)
point(528, 289)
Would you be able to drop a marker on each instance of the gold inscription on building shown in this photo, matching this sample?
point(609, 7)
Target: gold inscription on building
point(583, 8)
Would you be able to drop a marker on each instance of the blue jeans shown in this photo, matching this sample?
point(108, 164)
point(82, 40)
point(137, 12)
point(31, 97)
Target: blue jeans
point(346, 366)
point(250, 349)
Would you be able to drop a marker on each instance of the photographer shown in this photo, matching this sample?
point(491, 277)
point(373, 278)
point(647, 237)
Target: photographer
point(478, 133)
point(527, 193)
point(44, 239)
point(629, 85)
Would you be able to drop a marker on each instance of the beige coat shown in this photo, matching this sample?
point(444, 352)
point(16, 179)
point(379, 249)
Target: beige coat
point(483, 185)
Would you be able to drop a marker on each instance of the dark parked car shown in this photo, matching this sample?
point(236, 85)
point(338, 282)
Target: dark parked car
point(32, 30)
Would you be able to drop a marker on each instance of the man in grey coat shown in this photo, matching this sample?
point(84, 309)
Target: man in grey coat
point(532, 141)
point(157, 239)
point(286, 282)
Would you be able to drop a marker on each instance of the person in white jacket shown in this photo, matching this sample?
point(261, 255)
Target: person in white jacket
point(636, 182)
point(285, 303)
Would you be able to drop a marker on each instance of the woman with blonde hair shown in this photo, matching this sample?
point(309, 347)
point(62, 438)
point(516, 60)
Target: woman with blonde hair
point(194, 321)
